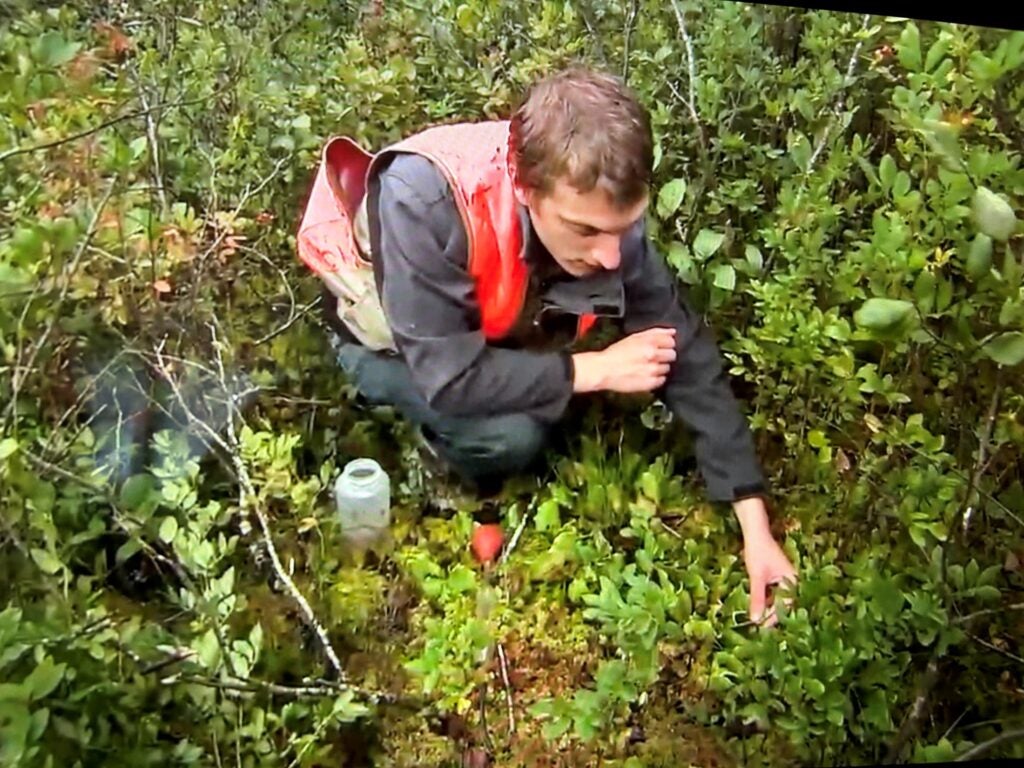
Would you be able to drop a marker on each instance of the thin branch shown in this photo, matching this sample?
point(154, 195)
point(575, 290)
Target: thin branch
point(981, 464)
point(296, 316)
point(247, 497)
point(841, 101)
point(260, 686)
point(988, 612)
point(912, 721)
point(508, 689)
point(996, 648)
point(19, 380)
point(691, 68)
point(985, 746)
point(627, 35)
point(114, 121)
point(154, 142)
point(515, 538)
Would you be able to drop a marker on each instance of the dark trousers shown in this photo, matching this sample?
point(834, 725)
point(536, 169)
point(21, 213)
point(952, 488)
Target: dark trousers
point(482, 451)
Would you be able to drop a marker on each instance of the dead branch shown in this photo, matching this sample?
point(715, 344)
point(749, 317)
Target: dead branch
point(247, 493)
point(837, 110)
point(918, 710)
point(508, 689)
point(153, 140)
point(988, 612)
point(691, 70)
point(970, 499)
point(21, 372)
point(260, 686)
point(980, 749)
point(232, 81)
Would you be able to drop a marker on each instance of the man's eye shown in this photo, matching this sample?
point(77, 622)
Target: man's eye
point(587, 232)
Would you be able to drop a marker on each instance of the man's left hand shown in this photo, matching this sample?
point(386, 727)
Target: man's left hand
point(767, 565)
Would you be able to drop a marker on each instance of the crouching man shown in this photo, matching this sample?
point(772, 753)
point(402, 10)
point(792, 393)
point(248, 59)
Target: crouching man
point(465, 261)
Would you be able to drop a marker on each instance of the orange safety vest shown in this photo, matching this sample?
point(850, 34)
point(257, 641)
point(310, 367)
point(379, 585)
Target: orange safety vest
point(474, 159)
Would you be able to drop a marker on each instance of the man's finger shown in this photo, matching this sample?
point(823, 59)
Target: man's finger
point(660, 335)
point(665, 355)
point(757, 599)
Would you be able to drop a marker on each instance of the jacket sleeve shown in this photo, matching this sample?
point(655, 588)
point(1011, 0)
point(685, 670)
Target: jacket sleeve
point(697, 390)
point(427, 293)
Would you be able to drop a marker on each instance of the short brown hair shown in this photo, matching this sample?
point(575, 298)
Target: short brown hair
point(588, 128)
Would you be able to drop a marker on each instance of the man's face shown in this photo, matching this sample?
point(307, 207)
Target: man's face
point(583, 231)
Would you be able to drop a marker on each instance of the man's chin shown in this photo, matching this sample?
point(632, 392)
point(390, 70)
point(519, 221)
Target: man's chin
point(582, 270)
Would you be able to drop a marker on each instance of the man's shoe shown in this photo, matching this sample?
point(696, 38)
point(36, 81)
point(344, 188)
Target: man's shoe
point(446, 492)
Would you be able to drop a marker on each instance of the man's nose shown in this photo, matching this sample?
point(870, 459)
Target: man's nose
point(608, 253)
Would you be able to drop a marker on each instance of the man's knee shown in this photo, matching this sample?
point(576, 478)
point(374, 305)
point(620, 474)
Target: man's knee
point(499, 445)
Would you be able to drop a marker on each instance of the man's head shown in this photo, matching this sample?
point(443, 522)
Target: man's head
point(583, 157)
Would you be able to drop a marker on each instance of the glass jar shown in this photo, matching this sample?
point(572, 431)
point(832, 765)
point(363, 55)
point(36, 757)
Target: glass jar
point(362, 495)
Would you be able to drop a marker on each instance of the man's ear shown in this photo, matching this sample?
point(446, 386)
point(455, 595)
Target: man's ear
point(522, 195)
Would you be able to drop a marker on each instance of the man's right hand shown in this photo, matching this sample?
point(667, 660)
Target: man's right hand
point(638, 363)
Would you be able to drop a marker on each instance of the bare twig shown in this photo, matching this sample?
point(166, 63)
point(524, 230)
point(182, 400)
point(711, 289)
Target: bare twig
point(152, 117)
point(508, 689)
point(515, 538)
point(295, 317)
point(260, 686)
point(18, 379)
point(970, 499)
point(627, 35)
point(837, 110)
point(246, 498)
point(996, 648)
point(985, 746)
point(114, 121)
point(917, 712)
point(691, 68)
point(987, 612)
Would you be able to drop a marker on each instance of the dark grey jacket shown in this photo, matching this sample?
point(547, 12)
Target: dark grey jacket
point(420, 260)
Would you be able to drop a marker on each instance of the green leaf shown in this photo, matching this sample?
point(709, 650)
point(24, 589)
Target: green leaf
point(993, 214)
point(707, 243)
point(126, 550)
point(46, 561)
point(670, 198)
point(814, 687)
point(52, 49)
point(924, 290)
point(754, 258)
point(937, 51)
point(44, 678)
point(725, 276)
point(136, 491)
point(800, 151)
point(555, 728)
point(7, 447)
point(547, 517)
point(461, 579)
point(909, 47)
point(466, 19)
point(988, 593)
point(1006, 349)
point(208, 650)
point(168, 529)
point(887, 172)
point(979, 258)
point(944, 140)
point(879, 314)
point(901, 184)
